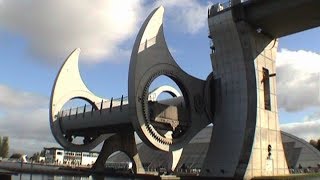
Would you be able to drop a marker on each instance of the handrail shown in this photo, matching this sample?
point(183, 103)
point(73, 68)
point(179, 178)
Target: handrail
point(112, 103)
point(219, 7)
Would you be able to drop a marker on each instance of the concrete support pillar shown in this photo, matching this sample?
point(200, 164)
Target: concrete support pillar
point(123, 142)
point(246, 121)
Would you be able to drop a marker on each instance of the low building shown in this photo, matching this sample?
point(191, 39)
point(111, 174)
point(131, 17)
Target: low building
point(60, 156)
point(89, 158)
point(72, 158)
point(54, 155)
point(41, 159)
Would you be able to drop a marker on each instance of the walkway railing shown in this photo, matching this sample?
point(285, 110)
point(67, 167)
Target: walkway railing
point(112, 105)
point(218, 7)
point(119, 102)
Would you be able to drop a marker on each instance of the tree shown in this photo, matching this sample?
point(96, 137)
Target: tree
point(315, 143)
point(16, 156)
point(5, 147)
point(35, 157)
point(43, 153)
point(0, 146)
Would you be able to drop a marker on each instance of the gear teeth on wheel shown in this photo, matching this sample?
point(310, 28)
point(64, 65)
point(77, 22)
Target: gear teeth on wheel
point(152, 132)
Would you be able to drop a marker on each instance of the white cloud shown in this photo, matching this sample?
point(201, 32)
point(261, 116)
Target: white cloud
point(14, 99)
point(298, 83)
point(31, 128)
point(306, 130)
point(298, 89)
point(188, 16)
point(24, 120)
point(312, 117)
point(54, 28)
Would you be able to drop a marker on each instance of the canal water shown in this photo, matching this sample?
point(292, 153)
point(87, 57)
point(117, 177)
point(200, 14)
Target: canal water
point(55, 177)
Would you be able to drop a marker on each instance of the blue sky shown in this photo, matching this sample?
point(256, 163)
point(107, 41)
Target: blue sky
point(36, 36)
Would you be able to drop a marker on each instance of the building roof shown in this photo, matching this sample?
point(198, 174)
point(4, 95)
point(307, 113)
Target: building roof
point(57, 148)
point(53, 148)
point(297, 151)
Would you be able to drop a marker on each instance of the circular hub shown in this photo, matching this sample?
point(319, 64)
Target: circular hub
point(163, 123)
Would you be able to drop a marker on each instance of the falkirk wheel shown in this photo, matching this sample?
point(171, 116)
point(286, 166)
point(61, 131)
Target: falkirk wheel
point(238, 98)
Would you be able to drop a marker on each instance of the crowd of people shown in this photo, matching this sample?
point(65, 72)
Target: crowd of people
point(300, 169)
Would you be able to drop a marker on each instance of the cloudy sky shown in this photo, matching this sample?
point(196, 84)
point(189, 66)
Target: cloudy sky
point(37, 35)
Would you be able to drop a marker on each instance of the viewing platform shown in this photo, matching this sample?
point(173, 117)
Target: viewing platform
point(274, 18)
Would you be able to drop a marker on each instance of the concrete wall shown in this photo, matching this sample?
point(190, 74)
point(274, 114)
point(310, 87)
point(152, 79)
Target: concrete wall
point(243, 128)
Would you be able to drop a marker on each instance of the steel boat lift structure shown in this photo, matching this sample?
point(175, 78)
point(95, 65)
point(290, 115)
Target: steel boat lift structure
point(238, 97)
